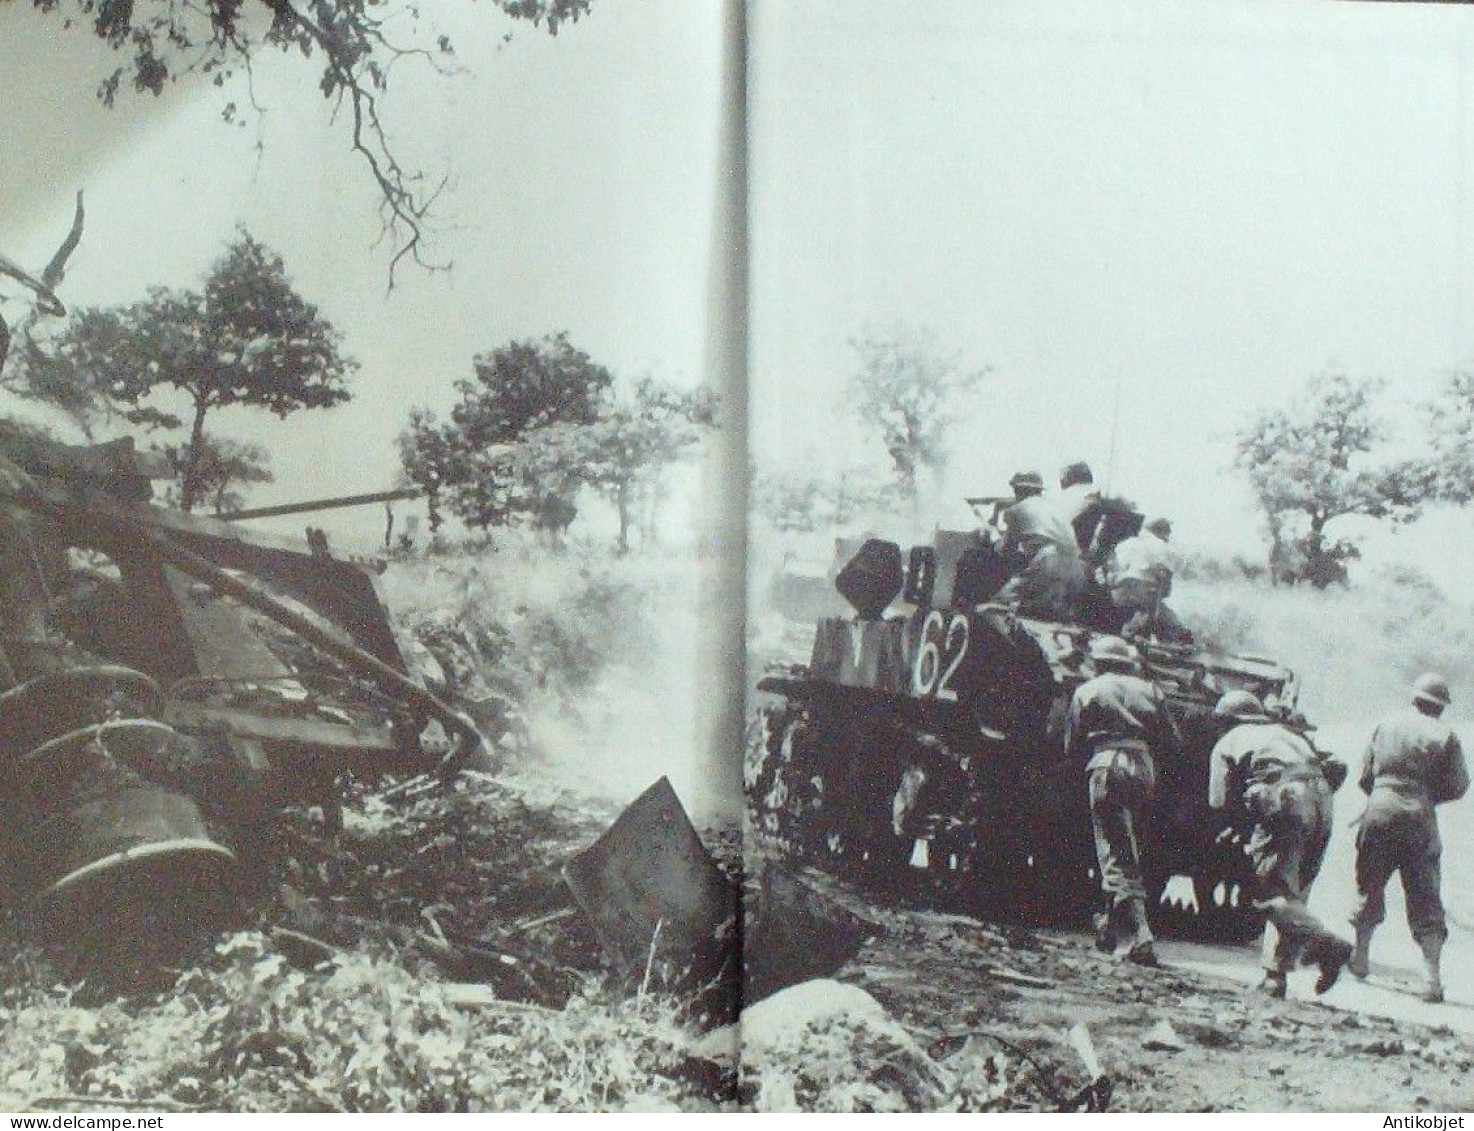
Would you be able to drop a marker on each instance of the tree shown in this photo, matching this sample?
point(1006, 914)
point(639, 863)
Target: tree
point(245, 338)
point(1314, 463)
point(220, 467)
point(473, 463)
point(904, 391)
point(430, 461)
point(356, 44)
point(623, 452)
point(1451, 420)
point(539, 423)
point(798, 502)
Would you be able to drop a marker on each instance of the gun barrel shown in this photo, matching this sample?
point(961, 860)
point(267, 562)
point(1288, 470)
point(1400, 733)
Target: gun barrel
point(983, 500)
point(323, 504)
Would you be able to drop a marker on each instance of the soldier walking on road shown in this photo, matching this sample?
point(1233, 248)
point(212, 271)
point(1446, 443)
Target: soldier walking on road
point(1120, 722)
point(1281, 781)
point(1413, 763)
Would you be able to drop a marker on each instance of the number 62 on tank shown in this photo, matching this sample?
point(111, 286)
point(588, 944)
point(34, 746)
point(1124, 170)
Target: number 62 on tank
point(943, 646)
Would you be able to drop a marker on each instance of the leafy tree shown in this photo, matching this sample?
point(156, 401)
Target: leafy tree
point(1313, 463)
point(221, 466)
point(802, 503)
point(538, 423)
point(622, 453)
point(904, 390)
point(429, 460)
point(355, 43)
point(245, 338)
point(474, 465)
point(1451, 417)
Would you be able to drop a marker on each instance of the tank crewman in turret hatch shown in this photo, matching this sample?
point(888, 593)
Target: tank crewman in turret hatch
point(1281, 780)
point(1413, 763)
point(1050, 577)
point(1119, 722)
point(1025, 485)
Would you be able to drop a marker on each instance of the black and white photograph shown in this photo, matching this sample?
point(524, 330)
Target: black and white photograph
point(1110, 416)
point(368, 559)
point(736, 556)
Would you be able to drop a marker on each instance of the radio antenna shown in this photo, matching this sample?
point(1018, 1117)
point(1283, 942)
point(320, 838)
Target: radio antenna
point(1115, 427)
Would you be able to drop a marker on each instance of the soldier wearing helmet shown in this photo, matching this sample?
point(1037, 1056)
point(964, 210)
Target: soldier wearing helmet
point(1138, 576)
point(1120, 724)
point(1282, 781)
point(1413, 763)
point(1030, 522)
point(1026, 484)
point(1050, 577)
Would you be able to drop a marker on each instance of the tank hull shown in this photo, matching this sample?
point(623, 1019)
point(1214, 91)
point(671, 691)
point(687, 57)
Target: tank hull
point(922, 754)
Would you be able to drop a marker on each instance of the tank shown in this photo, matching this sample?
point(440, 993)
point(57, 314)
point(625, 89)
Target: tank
point(195, 678)
point(919, 751)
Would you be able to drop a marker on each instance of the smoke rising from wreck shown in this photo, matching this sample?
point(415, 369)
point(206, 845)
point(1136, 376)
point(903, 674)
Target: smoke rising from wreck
point(642, 717)
point(607, 658)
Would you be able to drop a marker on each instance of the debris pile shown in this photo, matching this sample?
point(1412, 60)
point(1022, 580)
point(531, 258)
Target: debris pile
point(346, 995)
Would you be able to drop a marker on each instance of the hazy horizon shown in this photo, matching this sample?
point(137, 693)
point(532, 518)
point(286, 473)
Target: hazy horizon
point(1148, 220)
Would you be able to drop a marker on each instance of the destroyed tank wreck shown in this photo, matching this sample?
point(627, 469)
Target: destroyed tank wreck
point(920, 750)
point(202, 675)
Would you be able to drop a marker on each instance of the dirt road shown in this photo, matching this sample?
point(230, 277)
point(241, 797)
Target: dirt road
point(1362, 1048)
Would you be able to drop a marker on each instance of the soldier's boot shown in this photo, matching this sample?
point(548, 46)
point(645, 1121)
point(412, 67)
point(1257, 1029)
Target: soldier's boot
point(1274, 984)
point(1360, 962)
point(1433, 978)
point(1331, 956)
point(1144, 954)
point(1105, 932)
point(1142, 951)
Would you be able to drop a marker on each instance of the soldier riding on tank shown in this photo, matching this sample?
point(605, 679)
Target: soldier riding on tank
point(923, 741)
point(1049, 578)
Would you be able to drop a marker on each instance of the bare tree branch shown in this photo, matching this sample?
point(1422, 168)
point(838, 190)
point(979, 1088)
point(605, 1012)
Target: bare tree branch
point(359, 44)
point(56, 269)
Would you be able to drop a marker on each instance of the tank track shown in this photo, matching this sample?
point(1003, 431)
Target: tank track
point(817, 795)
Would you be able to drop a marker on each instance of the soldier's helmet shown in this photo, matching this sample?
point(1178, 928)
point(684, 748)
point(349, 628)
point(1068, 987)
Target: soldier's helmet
point(1111, 652)
point(1432, 689)
point(1030, 480)
point(1076, 474)
point(1161, 527)
point(1242, 706)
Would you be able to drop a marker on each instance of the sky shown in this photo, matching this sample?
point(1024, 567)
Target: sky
point(584, 180)
point(1148, 220)
point(591, 189)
